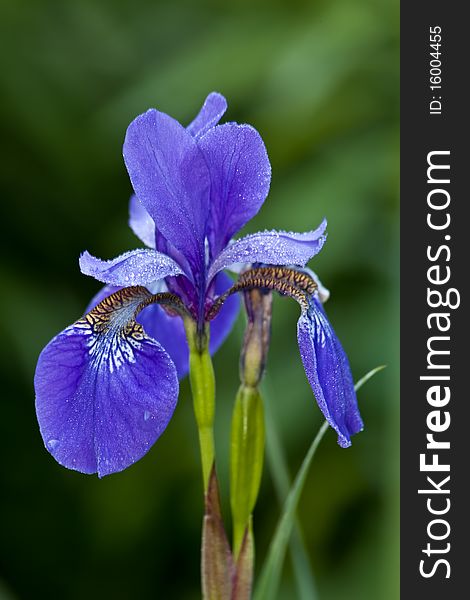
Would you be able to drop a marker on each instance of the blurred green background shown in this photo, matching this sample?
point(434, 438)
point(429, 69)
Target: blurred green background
point(319, 80)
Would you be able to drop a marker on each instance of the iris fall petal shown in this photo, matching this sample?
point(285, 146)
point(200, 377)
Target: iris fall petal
point(327, 368)
point(105, 391)
point(169, 330)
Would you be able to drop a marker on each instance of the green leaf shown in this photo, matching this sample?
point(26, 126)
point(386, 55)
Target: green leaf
point(368, 376)
point(271, 572)
point(268, 583)
point(303, 574)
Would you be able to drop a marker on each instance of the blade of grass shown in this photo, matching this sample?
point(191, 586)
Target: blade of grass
point(276, 459)
point(271, 572)
point(367, 376)
point(268, 583)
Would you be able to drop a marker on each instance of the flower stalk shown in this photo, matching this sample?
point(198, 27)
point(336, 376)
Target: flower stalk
point(201, 376)
point(217, 568)
point(216, 559)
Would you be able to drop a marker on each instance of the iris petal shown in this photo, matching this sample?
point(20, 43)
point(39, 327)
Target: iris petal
point(327, 368)
point(103, 293)
point(210, 114)
point(272, 248)
point(240, 176)
point(138, 267)
point(143, 226)
point(171, 179)
point(105, 391)
point(169, 331)
point(141, 222)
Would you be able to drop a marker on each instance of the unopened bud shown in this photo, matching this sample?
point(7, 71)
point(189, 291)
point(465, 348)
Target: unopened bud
point(255, 348)
point(246, 459)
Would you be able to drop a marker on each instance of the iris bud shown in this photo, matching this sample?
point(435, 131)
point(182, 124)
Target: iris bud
point(258, 304)
point(248, 434)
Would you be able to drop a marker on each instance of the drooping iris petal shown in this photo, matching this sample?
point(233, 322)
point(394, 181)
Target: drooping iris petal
point(271, 248)
point(328, 372)
point(171, 180)
point(105, 391)
point(210, 114)
point(137, 267)
point(323, 292)
point(103, 293)
point(141, 222)
point(169, 330)
point(159, 325)
point(240, 176)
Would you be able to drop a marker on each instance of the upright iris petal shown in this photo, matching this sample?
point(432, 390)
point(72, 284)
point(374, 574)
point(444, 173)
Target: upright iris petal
point(171, 179)
point(240, 175)
point(210, 114)
point(141, 222)
point(327, 368)
point(105, 391)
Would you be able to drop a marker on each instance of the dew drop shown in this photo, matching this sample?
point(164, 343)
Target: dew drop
point(147, 415)
point(52, 444)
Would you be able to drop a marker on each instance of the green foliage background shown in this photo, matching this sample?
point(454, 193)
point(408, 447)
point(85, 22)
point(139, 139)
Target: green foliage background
point(319, 80)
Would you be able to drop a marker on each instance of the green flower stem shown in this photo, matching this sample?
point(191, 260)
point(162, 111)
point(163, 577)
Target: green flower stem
point(246, 460)
point(201, 377)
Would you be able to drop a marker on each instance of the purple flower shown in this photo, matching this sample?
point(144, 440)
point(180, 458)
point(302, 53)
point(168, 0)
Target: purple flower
point(107, 386)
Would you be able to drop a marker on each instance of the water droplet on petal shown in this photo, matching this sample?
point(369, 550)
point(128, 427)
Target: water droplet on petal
point(51, 444)
point(147, 415)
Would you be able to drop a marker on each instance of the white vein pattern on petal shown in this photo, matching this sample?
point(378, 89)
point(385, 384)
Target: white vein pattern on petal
point(113, 334)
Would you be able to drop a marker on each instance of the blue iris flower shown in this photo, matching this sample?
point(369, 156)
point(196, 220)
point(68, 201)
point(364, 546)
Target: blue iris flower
point(107, 386)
